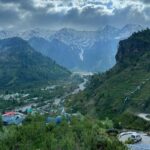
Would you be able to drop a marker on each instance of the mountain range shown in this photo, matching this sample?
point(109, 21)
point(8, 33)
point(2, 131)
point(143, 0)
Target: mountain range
point(22, 66)
point(90, 51)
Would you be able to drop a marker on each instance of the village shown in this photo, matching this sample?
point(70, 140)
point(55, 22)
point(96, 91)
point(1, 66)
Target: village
point(31, 105)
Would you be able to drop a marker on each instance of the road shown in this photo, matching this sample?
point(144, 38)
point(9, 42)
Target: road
point(139, 147)
point(81, 87)
point(143, 145)
point(58, 103)
point(144, 116)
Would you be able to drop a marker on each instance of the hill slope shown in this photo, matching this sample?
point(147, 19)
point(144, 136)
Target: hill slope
point(56, 50)
point(123, 88)
point(22, 66)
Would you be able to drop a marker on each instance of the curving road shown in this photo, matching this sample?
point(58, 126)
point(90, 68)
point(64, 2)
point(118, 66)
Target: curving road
point(144, 116)
point(139, 147)
point(143, 145)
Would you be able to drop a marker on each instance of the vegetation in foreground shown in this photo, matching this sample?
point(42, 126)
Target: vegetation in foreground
point(80, 134)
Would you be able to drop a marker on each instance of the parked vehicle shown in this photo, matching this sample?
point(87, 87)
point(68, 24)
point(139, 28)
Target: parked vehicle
point(135, 137)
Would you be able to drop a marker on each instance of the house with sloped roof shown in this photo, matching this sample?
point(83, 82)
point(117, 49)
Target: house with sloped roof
point(10, 118)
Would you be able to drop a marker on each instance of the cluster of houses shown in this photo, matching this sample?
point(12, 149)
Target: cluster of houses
point(14, 96)
point(16, 118)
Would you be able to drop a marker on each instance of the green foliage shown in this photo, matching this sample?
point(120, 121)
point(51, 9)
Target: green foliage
point(82, 135)
point(108, 124)
point(129, 141)
point(1, 123)
point(130, 121)
point(22, 67)
point(130, 49)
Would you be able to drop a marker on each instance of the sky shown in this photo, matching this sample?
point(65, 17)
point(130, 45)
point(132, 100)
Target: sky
point(77, 14)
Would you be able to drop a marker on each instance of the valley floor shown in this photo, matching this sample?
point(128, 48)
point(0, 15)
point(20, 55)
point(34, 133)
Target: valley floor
point(48, 99)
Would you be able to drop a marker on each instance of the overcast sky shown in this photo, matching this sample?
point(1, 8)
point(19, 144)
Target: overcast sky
point(78, 14)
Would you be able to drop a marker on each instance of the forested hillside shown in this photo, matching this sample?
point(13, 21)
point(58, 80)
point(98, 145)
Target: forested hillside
point(124, 88)
point(22, 66)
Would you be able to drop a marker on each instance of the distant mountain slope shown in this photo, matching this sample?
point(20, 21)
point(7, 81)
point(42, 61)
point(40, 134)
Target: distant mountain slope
point(123, 88)
point(92, 51)
point(85, 50)
point(21, 65)
point(27, 34)
point(101, 56)
point(58, 51)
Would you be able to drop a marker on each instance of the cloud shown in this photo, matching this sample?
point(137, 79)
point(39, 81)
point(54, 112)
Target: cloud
point(145, 1)
point(8, 17)
point(80, 14)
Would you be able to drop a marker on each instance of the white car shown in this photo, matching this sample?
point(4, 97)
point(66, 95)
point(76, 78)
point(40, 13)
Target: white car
point(136, 137)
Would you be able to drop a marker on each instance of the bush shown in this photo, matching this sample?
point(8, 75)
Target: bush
point(129, 141)
point(81, 135)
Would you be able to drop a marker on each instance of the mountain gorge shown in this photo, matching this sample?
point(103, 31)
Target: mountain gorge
point(92, 50)
point(22, 66)
point(125, 87)
point(89, 51)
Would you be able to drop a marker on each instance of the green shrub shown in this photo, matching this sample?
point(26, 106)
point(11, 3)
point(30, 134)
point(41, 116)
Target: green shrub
point(82, 135)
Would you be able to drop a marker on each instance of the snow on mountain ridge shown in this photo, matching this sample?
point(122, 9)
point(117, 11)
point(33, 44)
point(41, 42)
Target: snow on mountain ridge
point(128, 30)
point(27, 34)
point(73, 37)
point(78, 41)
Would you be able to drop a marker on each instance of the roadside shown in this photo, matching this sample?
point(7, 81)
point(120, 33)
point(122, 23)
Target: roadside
point(144, 116)
point(144, 144)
